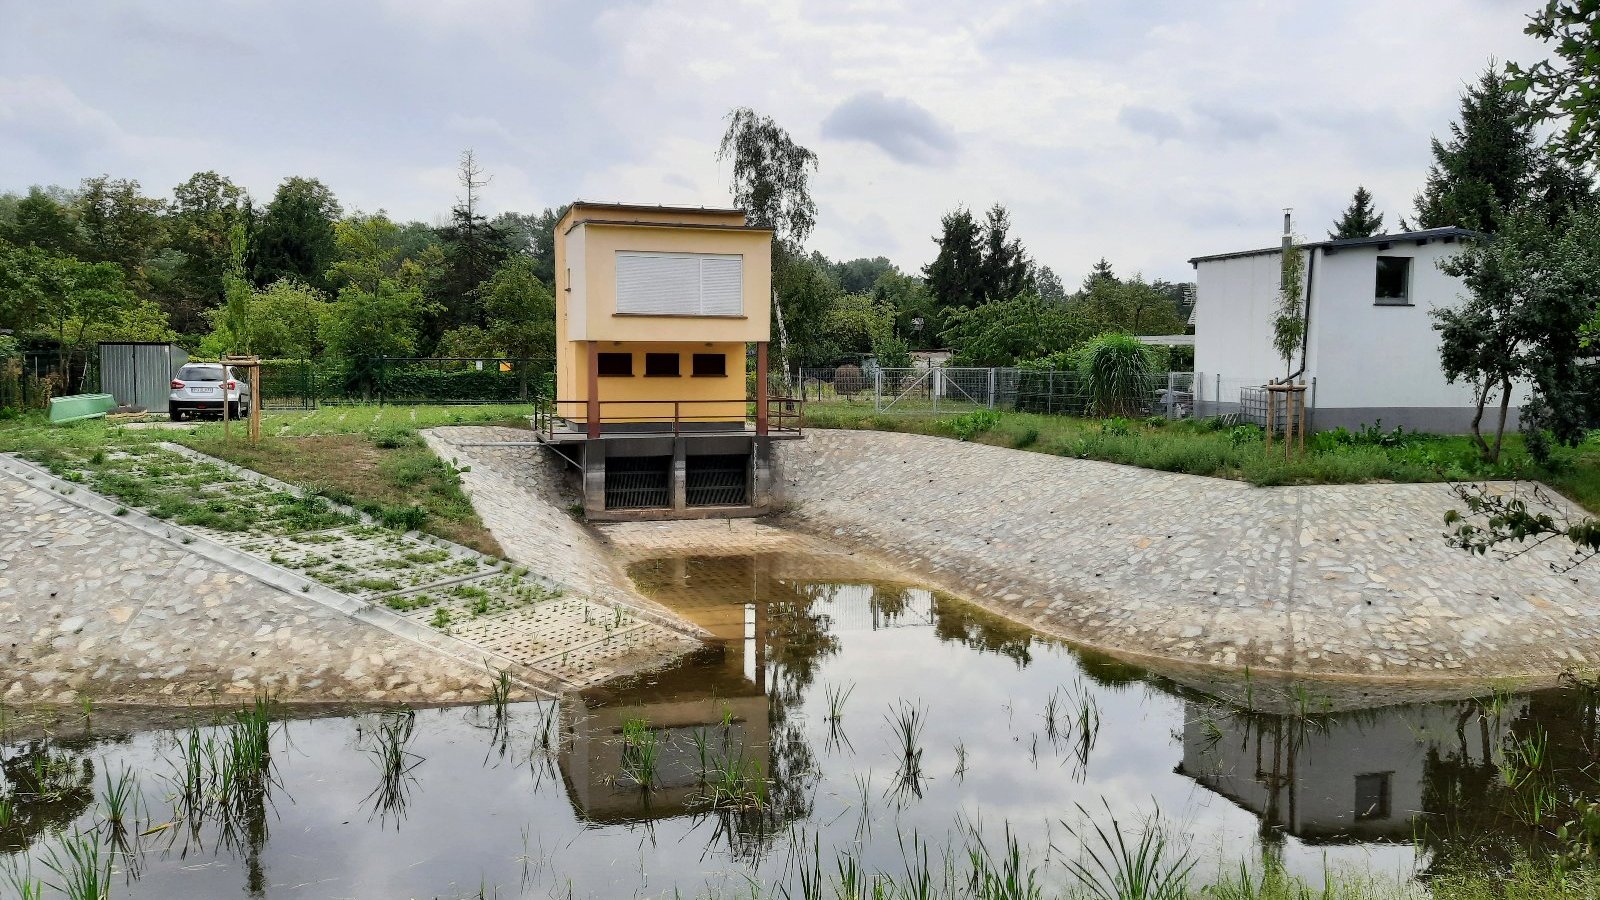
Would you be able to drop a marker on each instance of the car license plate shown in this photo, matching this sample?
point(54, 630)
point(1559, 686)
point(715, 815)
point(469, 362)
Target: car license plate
point(200, 390)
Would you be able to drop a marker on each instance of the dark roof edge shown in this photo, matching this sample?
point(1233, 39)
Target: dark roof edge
point(1421, 237)
point(632, 223)
point(657, 207)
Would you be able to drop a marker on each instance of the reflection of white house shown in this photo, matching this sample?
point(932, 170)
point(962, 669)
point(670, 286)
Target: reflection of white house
point(1370, 345)
point(1352, 776)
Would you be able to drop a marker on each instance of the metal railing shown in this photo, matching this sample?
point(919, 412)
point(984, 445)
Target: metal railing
point(785, 415)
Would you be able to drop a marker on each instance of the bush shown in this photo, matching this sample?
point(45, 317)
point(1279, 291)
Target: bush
point(970, 425)
point(847, 379)
point(1116, 370)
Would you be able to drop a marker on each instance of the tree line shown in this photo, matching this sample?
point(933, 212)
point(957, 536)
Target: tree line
point(295, 277)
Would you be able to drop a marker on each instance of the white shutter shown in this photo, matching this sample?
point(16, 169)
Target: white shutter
point(680, 284)
point(721, 285)
point(658, 284)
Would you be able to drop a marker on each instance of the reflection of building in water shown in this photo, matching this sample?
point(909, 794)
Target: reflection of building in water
point(1347, 776)
point(603, 782)
point(774, 618)
point(708, 712)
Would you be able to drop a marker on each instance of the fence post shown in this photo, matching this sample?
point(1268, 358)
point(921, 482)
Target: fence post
point(877, 389)
point(383, 371)
point(991, 387)
point(1050, 392)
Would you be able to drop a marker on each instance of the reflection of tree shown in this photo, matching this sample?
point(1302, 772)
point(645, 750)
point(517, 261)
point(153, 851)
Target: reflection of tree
point(47, 788)
point(982, 631)
point(1109, 672)
point(1474, 815)
point(798, 638)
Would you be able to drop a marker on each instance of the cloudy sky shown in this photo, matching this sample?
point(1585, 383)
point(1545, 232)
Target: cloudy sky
point(1147, 132)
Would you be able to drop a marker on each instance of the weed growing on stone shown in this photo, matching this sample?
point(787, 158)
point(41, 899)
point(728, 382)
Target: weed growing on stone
point(441, 620)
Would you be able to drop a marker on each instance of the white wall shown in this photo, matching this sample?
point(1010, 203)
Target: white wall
point(1234, 302)
point(1370, 361)
point(1369, 356)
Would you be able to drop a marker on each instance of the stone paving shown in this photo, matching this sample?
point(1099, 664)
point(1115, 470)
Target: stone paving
point(1330, 580)
point(90, 606)
point(518, 489)
point(446, 601)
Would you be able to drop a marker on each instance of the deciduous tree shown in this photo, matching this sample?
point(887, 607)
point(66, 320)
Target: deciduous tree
point(1565, 89)
point(200, 221)
point(44, 221)
point(119, 225)
point(771, 179)
point(296, 235)
point(522, 317)
point(1530, 290)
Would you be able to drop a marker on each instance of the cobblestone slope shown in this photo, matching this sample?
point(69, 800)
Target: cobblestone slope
point(1327, 580)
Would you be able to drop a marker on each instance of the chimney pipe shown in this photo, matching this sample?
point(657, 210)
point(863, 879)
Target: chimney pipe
point(1288, 226)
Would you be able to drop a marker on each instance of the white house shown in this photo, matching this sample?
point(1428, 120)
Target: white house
point(1370, 355)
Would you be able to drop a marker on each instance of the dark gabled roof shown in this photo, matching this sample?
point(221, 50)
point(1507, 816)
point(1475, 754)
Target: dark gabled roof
point(1451, 233)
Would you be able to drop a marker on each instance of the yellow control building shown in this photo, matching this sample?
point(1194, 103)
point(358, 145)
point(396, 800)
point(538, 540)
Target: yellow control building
point(662, 313)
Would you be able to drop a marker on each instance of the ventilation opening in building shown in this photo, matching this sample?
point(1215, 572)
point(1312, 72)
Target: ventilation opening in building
point(639, 482)
point(717, 480)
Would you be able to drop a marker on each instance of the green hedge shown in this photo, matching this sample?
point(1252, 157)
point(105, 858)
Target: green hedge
point(313, 382)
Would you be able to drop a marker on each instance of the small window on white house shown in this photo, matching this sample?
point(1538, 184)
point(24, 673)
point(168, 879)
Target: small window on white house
point(1394, 281)
point(1373, 796)
point(680, 284)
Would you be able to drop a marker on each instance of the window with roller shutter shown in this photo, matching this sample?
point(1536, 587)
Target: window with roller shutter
point(680, 284)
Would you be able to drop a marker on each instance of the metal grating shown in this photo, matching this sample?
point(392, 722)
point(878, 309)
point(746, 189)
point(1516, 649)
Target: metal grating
point(639, 482)
point(717, 480)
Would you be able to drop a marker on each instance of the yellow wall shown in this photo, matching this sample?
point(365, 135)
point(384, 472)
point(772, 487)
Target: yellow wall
point(729, 388)
point(587, 242)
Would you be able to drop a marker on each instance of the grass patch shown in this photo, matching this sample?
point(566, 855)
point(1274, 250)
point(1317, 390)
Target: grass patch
point(1240, 453)
point(397, 481)
point(389, 422)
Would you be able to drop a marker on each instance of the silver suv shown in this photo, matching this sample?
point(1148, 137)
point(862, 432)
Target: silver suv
point(203, 388)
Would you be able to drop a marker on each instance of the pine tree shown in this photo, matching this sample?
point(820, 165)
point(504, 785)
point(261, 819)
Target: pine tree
point(1360, 219)
point(1100, 272)
point(473, 251)
point(1483, 171)
point(954, 278)
point(1004, 271)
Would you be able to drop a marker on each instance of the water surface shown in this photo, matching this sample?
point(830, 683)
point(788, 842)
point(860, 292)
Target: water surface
point(1017, 733)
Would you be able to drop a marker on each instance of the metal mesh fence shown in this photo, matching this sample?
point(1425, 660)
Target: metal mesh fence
point(942, 391)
